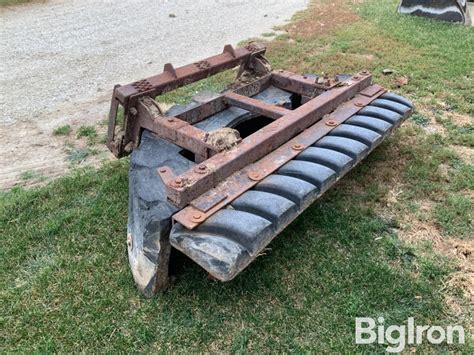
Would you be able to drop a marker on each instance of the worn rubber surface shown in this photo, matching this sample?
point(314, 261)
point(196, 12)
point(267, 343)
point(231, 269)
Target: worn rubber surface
point(233, 237)
point(149, 211)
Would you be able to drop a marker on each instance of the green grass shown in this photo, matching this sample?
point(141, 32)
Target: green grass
point(71, 278)
point(268, 34)
point(13, 2)
point(455, 215)
point(31, 175)
point(62, 131)
point(89, 132)
point(66, 285)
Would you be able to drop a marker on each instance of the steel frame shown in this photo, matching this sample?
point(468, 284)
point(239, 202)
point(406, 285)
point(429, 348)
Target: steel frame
point(222, 176)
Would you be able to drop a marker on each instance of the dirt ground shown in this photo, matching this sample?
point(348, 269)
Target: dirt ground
point(60, 61)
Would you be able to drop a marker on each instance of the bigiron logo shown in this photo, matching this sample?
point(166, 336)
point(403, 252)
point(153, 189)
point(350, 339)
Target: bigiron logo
point(398, 336)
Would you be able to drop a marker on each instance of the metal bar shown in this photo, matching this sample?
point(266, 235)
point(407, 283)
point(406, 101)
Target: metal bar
point(300, 84)
point(255, 106)
point(215, 199)
point(218, 104)
point(185, 75)
point(114, 104)
point(262, 142)
point(170, 79)
point(173, 129)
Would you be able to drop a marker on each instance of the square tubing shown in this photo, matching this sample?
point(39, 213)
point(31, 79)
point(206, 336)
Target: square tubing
point(193, 183)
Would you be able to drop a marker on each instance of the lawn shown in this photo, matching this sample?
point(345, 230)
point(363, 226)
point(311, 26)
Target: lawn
point(393, 239)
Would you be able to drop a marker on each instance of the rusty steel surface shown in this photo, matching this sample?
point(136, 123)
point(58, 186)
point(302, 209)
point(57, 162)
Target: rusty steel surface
point(264, 141)
point(121, 143)
point(301, 84)
point(218, 104)
point(215, 199)
point(255, 106)
point(173, 129)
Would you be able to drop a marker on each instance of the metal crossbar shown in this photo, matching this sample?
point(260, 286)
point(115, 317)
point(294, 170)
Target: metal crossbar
point(222, 175)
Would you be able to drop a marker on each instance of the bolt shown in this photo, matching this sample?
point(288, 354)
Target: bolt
point(197, 216)
point(254, 175)
point(359, 104)
point(163, 170)
point(200, 169)
point(331, 123)
point(170, 120)
point(297, 146)
point(356, 77)
point(365, 72)
point(178, 182)
point(305, 77)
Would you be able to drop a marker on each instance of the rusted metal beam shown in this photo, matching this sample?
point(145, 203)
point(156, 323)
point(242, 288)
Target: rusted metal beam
point(255, 106)
point(218, 104)
point(172, 79)
point(262, 142)
point(173, 129)
point(121, 143)
point(300, 84)
point(215, 199)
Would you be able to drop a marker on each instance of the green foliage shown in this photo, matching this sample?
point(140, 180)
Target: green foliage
point(420, 120)
point(62, 131)
point(455, 215)
point(89, 132)
point(66, 244)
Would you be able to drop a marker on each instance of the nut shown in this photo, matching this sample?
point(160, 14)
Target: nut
point(331, 123)
point(359, 104)
point(162, 170)
point(297, 146)
point(178, 182)
point(200, 169)
point(356, 77)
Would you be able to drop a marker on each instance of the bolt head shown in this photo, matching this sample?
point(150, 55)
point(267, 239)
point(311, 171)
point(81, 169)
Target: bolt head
point(197, 216)
point(359, 104)
point(170, 120)
point(297, 146)
point(331, 123)
point(163, 170)
point(200, 169)
point(254, 175)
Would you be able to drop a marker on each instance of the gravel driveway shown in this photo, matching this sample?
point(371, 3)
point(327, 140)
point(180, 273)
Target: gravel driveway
point(59, 61)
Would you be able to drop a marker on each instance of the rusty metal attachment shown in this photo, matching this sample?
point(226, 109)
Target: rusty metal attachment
point(141, 111)
point(307, 109)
